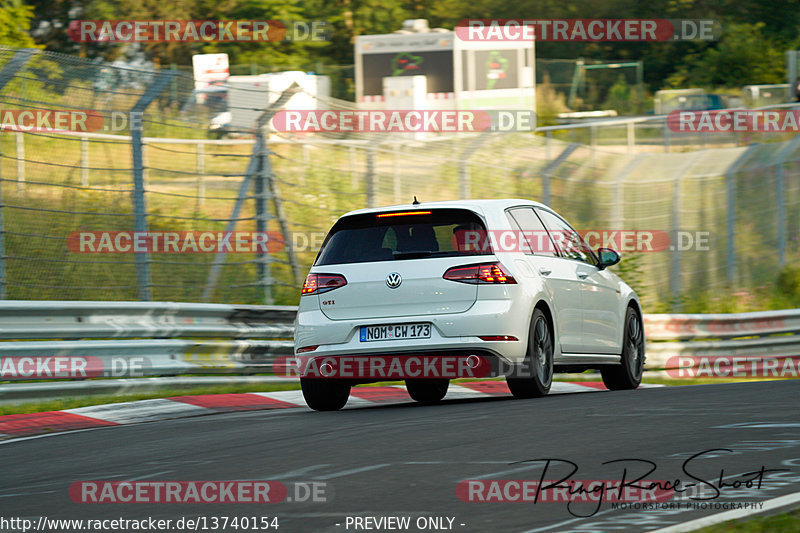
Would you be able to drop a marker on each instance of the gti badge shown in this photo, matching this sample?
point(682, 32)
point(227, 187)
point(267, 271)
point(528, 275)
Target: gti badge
point(393, 280)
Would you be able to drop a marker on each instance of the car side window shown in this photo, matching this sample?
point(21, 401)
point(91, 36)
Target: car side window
point(568, 241)
point(533, 231)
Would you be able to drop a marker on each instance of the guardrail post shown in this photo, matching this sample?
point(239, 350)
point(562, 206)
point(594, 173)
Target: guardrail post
point(163, 78)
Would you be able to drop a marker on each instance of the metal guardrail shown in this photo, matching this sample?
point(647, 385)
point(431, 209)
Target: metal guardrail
point(76, 339)
point(136, 339)
point(759, 334)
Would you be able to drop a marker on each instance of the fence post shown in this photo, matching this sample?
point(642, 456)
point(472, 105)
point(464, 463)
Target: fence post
point(371, 178)
point(2, 242)
point(84, 161)
point(549, 170)
point(143, 282)
point(780, 197)
point(618, 203)
point(730, 216)
point(396, 189)
point(351, 154)
point(259, 170)
point(20, 139)
point(675, 252)
point(201, 168)
point(631, 136)
point(14, 65)
point(464, 177)
point(262, 196)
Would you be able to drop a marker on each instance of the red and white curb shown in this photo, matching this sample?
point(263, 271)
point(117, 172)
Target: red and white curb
point(115, 414)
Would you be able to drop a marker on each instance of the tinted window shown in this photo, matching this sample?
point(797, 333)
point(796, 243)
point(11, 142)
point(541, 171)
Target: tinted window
point(533, 231)
point(427, 233)
point(568, 241)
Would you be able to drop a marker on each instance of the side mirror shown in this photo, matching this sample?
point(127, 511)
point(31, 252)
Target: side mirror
point(608, 257)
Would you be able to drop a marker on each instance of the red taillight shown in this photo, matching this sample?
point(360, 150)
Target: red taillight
point(305, 349)
point(319, 283)
point(491, 273)
point(497, 338)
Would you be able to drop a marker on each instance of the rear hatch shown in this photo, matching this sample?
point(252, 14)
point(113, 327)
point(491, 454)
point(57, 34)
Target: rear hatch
point(394, 262)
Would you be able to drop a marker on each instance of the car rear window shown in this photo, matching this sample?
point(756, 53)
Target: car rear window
point(401, 235)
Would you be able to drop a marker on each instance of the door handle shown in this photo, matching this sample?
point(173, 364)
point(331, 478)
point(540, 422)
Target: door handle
point(544, 271)
point(583, 275)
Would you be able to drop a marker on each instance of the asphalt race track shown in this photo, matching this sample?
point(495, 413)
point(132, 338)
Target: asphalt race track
point(407, 460)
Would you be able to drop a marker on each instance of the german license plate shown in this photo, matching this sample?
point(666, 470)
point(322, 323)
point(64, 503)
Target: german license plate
point(391, 332)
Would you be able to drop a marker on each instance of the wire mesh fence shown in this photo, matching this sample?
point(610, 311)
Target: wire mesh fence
point(731, 211)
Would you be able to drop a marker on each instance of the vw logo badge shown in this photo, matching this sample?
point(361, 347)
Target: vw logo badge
point(393, 280)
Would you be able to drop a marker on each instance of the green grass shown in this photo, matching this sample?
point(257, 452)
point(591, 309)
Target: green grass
point(780, 523)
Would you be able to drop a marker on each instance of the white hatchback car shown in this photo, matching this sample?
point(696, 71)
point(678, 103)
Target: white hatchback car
point(508, 283)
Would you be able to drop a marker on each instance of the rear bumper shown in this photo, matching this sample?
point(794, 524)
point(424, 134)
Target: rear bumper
point(450, 333)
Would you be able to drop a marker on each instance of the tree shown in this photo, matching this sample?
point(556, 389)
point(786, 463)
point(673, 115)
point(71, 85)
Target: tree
point(15, 23)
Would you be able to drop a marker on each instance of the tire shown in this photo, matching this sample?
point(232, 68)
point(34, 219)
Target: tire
point(628, 375)
point(325, 394)
point(538, 361)
point(427, 390)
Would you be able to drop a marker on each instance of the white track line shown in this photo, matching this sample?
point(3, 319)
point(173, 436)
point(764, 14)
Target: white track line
point(735, 514)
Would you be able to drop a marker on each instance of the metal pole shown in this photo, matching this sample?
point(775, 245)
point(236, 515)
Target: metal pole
point(631, 136)
point(371, 179)
point(84, 161)
point(255, 168)
point(675, 258)
point(780, 213)
point(463, 178)
point(262, 196)
point(201, 168)
point(395, 174)
point(20, 160)
point(163, 78)
point(3, 281)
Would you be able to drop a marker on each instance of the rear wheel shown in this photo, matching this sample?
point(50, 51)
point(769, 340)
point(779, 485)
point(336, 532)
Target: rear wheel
point(628, 375)
point(325, 394)
point(538, 365)
point(427, 390)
